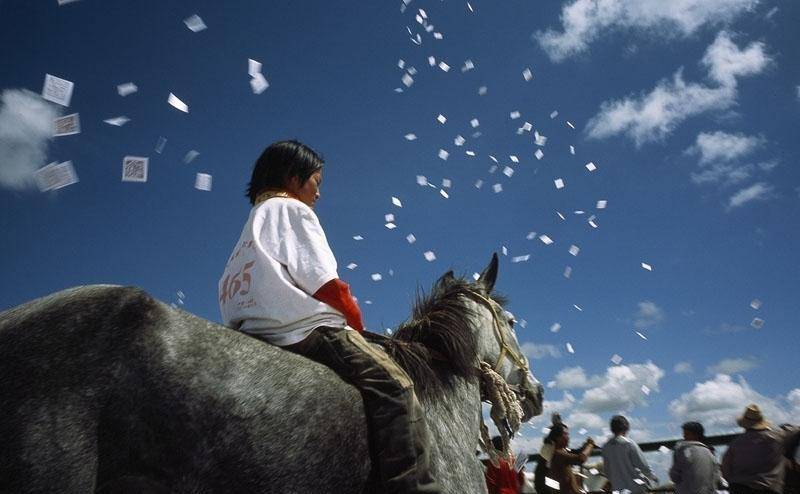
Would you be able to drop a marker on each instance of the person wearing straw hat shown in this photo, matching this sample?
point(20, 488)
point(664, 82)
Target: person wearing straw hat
point(754, 461)
point(694, 468)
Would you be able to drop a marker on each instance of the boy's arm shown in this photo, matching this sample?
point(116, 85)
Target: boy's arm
point(336, 293)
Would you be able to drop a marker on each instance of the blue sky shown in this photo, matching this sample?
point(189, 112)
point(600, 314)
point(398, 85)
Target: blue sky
point(689, 115)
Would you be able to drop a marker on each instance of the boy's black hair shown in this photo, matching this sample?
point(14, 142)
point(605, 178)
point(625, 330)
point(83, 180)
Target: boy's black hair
point(619, 424)
point(556, 431)
point(280, 162)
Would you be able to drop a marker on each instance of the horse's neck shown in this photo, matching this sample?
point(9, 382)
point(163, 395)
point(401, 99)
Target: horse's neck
point(453, 420)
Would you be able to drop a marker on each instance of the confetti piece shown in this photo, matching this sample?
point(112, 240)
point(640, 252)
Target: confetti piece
point(177, 103)
point(470, 153)
point(259, 84)
point(441, 118)
point(508, 171)
point(539, 139)
point(553, 114)
point(641, 335)
point(577, 307)
point(591, 166)
point(757, 323)
point(438, 36)
point(521, 258)
point(559, 183)
point(358, 237)
point(527, 126)
point(492, 168)
point(117, 121)
point(410, 137)
point(569, 348)
point(645, 389)
point(647, 266)
point(616, 359)
point(539, 154)
point(203, 182)
point(530, 235)
point(407, 80)
point(195, 23)
point(469, 6)
point(527, 74)
point(443, 155)
point(429, 256)
point(570, 124)
point(446, 182)
point(57, 90)
point(401, 63)
point(478, 184)
point(388, 217)
point(444, 194)
point(497, 188)
point(55, 176)
point(474, 123)
point(126, 89)
point(514, 115)
point(513, 158)
point(459, 140)
point(493, 158)
point(574, 249)
point(162, 141)
point(444, 66)
point(663, 449)
point(567, 272)
point(134, 169)
point(376, 276)
point(555, 328)
point(755, 304)
point(253, 67)
point(67, 125)
point(482, 90)
point(410, 238)
point(390, 226)
point(190, 156)
point(572, 150)
point(601, 204)
point(352, 266)
point(468, 65)
point(504, 250)
point(422, 180)
point(545, 239)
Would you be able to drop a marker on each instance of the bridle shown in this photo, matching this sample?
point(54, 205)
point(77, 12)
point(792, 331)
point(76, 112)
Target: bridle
point(505, 349)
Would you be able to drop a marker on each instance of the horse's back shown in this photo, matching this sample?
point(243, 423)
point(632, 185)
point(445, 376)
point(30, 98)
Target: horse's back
point(105, 382)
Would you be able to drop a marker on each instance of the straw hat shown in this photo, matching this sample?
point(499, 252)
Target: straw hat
point(752, 418)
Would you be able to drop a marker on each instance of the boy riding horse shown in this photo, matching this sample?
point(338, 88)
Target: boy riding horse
point(280, 285)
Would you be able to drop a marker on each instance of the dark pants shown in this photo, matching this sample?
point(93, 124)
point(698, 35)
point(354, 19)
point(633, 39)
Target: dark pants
point(743, 489)
point(396, 429)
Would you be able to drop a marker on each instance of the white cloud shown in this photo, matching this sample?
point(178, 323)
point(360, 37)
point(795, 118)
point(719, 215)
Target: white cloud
point(648, 315)
point(717, 403)
point(622, 388)
point(578, 420)
point(584, 21)
point(683, 368)
point(536, 351)
point(558, 406)
point(733, 366)
point(757, 192)
point(26, 127)
point(722, 146)
point(653, 116)
point(575, 377)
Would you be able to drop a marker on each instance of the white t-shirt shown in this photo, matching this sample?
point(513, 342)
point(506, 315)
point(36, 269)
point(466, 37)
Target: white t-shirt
point(281, 259)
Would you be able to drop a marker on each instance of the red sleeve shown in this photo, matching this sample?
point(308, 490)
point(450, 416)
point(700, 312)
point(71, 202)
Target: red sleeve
point(336, 293)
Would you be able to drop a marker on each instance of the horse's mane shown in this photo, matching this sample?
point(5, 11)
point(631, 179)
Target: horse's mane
point(437, 344)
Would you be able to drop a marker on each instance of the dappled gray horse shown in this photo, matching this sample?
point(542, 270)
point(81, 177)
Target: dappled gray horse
point(104, 389)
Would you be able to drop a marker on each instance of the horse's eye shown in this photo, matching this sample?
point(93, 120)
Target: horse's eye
point(510, 319)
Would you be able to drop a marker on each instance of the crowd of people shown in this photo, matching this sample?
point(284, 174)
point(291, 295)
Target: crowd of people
point(761, 460)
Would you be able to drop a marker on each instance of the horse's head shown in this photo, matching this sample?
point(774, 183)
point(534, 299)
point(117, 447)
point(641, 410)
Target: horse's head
point(498, 345)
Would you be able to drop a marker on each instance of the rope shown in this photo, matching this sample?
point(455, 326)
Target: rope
point(506, 412)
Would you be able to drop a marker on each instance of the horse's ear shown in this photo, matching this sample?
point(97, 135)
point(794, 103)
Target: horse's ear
point(447, 277)
point(489, 275)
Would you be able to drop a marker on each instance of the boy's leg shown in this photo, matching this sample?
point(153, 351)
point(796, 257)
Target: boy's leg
point(395, 420)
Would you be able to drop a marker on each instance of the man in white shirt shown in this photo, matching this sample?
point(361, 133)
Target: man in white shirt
point(623, 461)
point(281, 285)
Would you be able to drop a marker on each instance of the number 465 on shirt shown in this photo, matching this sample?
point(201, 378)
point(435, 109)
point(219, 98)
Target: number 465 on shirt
point(239, 284)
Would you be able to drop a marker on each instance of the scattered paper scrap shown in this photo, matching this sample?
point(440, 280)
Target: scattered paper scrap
point(376, 276)
point(570, 349)
point(444, 67)
point(411, 137)
point(254, 67)
point(545, 239)
point(447, 183)
point(429, 256)
point(645, 389)
point(441, 118)
point(755, 304)
point(422, 180)
point(390, 226)
point(57, 90)
point(647, 266)
point(567, 272)
point(553, 114)
point(195, 23)
point(601, 204)
point(555, 328)
point(757, 323)
point(126, 89)
point(388, 217)
point(444, 193)
point(527, 74)
point(177, 103)
point(162, 141)
point(514, 115)
point(134, 169)
point(203, 182)
point(508, 171)
point(591, 166)
point(482, 90)
point(521, 258)
point(572, 150)
point(443, 155)
point(478, 184)
point(497, 188)
point(258, 84)
point(559, 183)
point(663, 449)
point(358, 237)
point(539, 154)
point(577, 307)
point(117, 121)
point(616, 359)
point(397, 202)
point(574, 249)
point(55, 176)
point(410, 238)
point(352, 266)
point(67, 125)
point(640, 335)
point(190, 156)
point(570, 125)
